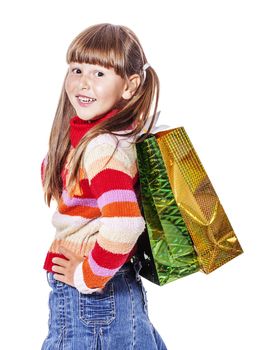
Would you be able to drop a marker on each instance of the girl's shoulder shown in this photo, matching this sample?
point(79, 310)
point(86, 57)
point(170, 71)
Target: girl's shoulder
point(120, 141)
point(106, 145)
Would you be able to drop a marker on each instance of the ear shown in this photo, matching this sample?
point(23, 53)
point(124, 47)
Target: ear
point(132, 85)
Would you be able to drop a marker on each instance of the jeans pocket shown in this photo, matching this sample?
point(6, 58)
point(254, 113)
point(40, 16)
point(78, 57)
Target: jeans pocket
point(97, 308)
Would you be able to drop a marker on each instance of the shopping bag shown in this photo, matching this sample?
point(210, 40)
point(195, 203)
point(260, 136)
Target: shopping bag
point(205, 221)
point(165, 248)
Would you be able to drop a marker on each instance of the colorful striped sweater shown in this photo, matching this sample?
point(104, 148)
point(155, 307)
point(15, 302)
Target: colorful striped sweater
point(100, 219)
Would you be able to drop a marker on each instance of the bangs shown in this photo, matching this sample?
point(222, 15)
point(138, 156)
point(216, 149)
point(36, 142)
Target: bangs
point(100, 45)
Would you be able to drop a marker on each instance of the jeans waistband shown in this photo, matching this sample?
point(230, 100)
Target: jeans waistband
point(134, 265)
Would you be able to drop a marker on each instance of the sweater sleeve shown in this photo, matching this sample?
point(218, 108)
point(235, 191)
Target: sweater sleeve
point(121, 222)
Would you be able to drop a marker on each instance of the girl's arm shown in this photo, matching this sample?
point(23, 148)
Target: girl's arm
point(121, 219)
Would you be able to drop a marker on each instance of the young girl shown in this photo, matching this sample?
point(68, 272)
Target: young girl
point(97, 299)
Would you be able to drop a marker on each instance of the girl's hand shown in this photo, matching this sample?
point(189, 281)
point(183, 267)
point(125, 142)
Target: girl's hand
point(66, 268)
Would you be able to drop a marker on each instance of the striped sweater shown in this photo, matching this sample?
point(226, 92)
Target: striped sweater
point(100, 219)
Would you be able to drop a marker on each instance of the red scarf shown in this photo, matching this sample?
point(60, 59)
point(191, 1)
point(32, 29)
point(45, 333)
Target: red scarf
point(79, 127)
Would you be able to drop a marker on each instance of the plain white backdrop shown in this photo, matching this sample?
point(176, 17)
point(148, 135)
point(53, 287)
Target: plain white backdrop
point(210, 58)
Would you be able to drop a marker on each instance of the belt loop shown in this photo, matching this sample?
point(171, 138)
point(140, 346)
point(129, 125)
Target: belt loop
point(48, 277)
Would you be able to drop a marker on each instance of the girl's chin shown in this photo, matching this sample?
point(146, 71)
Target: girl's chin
point(86, 117)
point(93, 116)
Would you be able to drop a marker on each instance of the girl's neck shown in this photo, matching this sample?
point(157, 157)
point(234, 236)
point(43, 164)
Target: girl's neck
point(79, 127)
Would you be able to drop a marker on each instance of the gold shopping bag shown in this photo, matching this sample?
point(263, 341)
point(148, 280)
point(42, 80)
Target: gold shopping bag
point(213, 236)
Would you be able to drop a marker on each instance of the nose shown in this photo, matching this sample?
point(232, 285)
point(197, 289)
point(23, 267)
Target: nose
point(84, 82)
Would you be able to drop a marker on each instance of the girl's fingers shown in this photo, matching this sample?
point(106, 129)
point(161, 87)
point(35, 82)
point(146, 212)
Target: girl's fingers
point(60, 261)
point(60, 278)
point(58, 269)
point(63, 279)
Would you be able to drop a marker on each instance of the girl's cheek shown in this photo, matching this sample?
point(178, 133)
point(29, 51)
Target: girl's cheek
point(101, 86)
point(71, 81)
point(67, 84)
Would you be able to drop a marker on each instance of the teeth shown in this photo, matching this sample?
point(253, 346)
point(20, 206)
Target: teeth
point(86, 100)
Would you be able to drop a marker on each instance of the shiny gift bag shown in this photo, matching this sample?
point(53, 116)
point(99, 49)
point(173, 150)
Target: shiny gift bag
point(165, 248)
point(186, 226)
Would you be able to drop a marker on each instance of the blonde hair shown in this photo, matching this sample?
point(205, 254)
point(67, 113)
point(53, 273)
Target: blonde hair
point(111, 46)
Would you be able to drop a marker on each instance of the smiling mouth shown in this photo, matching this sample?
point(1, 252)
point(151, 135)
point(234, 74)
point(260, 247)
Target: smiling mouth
point(84, 101)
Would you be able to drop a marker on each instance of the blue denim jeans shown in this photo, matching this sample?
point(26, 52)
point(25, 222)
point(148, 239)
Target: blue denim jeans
point(117, 319)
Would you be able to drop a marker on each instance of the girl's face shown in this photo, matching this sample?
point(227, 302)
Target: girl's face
point(94, 90)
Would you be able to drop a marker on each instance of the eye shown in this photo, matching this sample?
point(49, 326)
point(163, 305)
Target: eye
point(99, 74)
point(74, 70)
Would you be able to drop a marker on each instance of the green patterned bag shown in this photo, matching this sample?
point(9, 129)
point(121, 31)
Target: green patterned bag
point(165, 249)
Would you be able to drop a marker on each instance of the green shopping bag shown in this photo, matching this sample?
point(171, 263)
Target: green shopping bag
point(165, 248)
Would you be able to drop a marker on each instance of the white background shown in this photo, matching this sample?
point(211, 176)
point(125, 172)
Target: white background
point(210, 58)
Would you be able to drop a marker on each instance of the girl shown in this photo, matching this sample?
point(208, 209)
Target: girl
point(97, 299)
